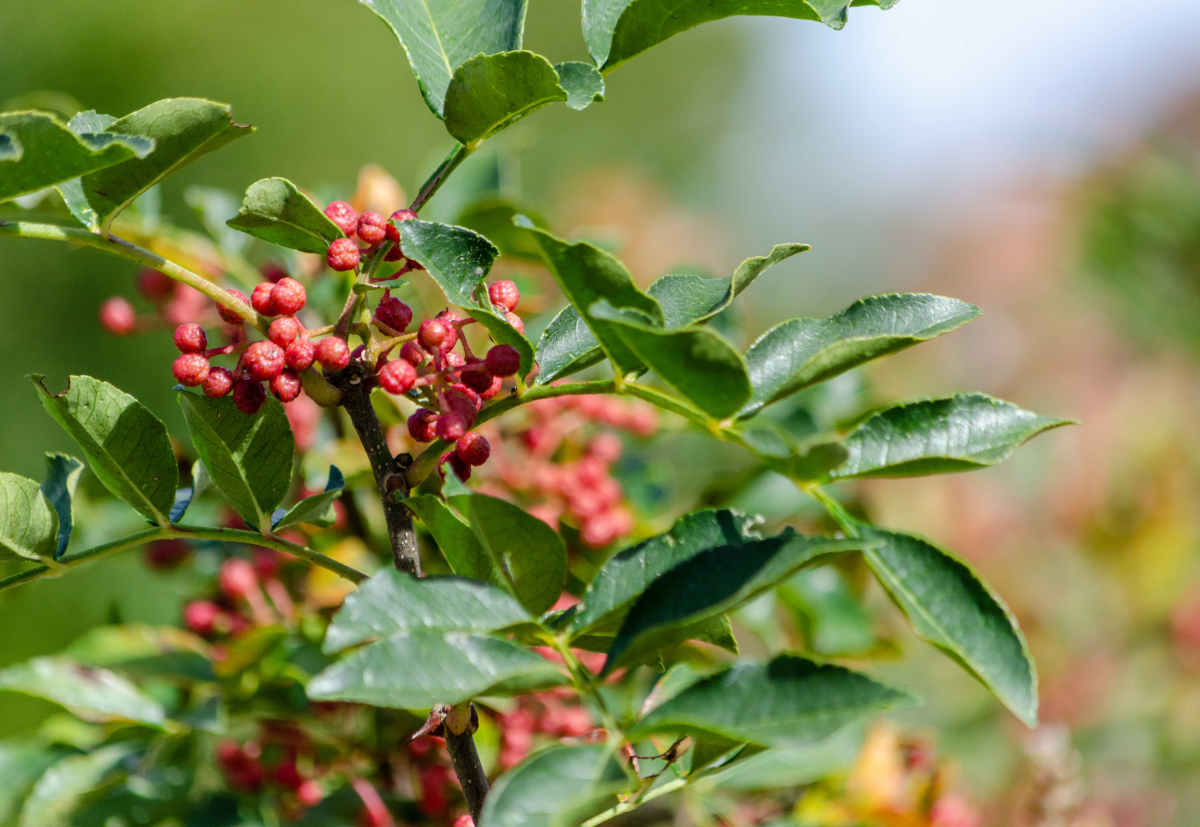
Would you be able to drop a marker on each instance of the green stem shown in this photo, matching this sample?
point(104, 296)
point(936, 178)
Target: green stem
point(633, 804)
point(835, 509)
point(439, 176)
point(585, 682)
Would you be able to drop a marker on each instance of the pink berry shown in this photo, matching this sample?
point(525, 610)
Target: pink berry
point(333, 353)
point(394, 314)
point(190, 338)
point(288, 296)
point(263, 360)
point(218, 382)
point(155, 286)
point(343, 254)
point(516, 322)
point(286, 386)
point(300, 355)
point(190, 369)
point(237, 579)
point(397, 376)
point(309, 793)
point(422, 425)
point(228, 315)
point(473, 448)
point(284, 330)
point(493, 389)
point(464, 820)
point(249, 396)
point(435, 335)
point(412, 353)
point(504, 294)
point(371, 227)
point(399, 216)
point(117, 316)
point(201, 616)
point(476, 376)
point(342, 214)
point(503, 360)
point(451, 425)
point(261, 298)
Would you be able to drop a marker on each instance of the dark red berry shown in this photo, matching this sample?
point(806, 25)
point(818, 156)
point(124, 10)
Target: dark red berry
point(237, 578)
point(300, 355)
point(343, 254)
point(459, 466)
point(412, 353)
point(228, 315)
point(422, 425)
point(394, 314)
point(397, 376)
point(371, 227)
point(190, 369)
point(286, 774)
point(435, 335)
point(288, 296)
point(342, 214)
point(163, 555)
point(451, 425)
point(473, 448)
point(463, 400)
point(201, 617)
point(284, 330)
point(190, 338)
point(333, 353)
point(218, 382)
point(503, 360)
point(261, 298)
point(504, 294)
point(493, 389)
point(400, 216)
point(117, 316)
point(286, 386)
point(155, 286)
point(272, 270)
point(249, 396)
point(476, 376)
point(517, 323)
point(263, 360)
point(266, 562)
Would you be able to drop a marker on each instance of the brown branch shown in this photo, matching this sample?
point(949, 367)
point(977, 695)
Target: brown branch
point(460, 725)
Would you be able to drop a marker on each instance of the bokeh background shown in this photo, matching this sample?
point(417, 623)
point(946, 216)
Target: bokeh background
point(1040, 160)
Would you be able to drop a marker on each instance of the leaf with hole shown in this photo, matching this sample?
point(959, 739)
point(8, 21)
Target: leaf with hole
point(274, 210)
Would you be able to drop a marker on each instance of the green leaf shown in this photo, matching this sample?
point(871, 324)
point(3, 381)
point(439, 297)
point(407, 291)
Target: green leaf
point(29, 525)
point(956, 433)
point(530, 553)
point(582, 82)
point(317, 509)
point(423, 667)
point(788, 701)
point(492, 216)
point(58, 791)
point(588, 275)
point(90, 693)
point(560, 786)
point(788, 766)
point(616, 30)
point(183, 129)
point(38, 150)
point(491, 92)
point(144, 651)
point(62, 478)
point(802, 352)
point(696, 362)
point(953, 609)
point(713, 582)
point(21, 764)
point(441, 35)
point(249, 458)
point(457, 542)
point(274, 210)
point(458, 259)
point(125, 445)
point(393, 601)
point(629, 572)
point(803, 460)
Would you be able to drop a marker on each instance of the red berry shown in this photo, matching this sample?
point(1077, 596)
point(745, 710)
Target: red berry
point(190, 369)
point(272, 270)
point(284, 330)
point(288, 296)
point(333, 353)
point(261, 298)
point(201, 616)
point(343, 254)
point(464, 820)
point(263, 360)
point(218, 382)
point(394, 313)
point(190, 338)
point(287, 775)
point(473, 448)
point(286, 386)
point(452, 425)
point(249, 396)
point(503, 360)
point(309, 793)
point(300, 354)
point(504, 294)
point(342, 214)
point(476, 376)
point(155, 286)
point(237, 578)
point(436, 335)
point(459, 466)
point(399, 216)
point(371, 227)
point(397, 376)
point(516, 322)
point(412, 353)
point(228, 315)
point(117, 316)
point(493, 389)
point(462, 400)
point(266, 562)
point(163, 555)
point(422, 425)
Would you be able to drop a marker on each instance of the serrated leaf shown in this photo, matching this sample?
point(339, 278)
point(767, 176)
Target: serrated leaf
point(802, 352)
point(274, 210)
point(697, 363)
point(62, 478)
point(956, 433)
point(29, 525)
point(441, 35)
point(491, 92)
point(953, 609)
point(317, 509)
point(393, 601)
point(423, 667)
point(21, 764)
point(787, 701)
point(457, 542)
point(458, 259)
point(183, 129)
point(39, 150)
point(713, 582)
point(529, 553)
point(126, 446)
point(557, 787)
point(57, 792)
point(249, 458)
point(582, 82)
point(89, 692)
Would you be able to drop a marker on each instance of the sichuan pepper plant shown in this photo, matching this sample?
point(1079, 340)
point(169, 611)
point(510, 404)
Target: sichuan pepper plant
point(590, 642)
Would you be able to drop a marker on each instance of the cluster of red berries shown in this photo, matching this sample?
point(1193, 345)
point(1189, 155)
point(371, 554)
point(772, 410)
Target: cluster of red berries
point(372, 229)
point(549, 714)
point(173, 303)
point(246, 771)
point(249, 594)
